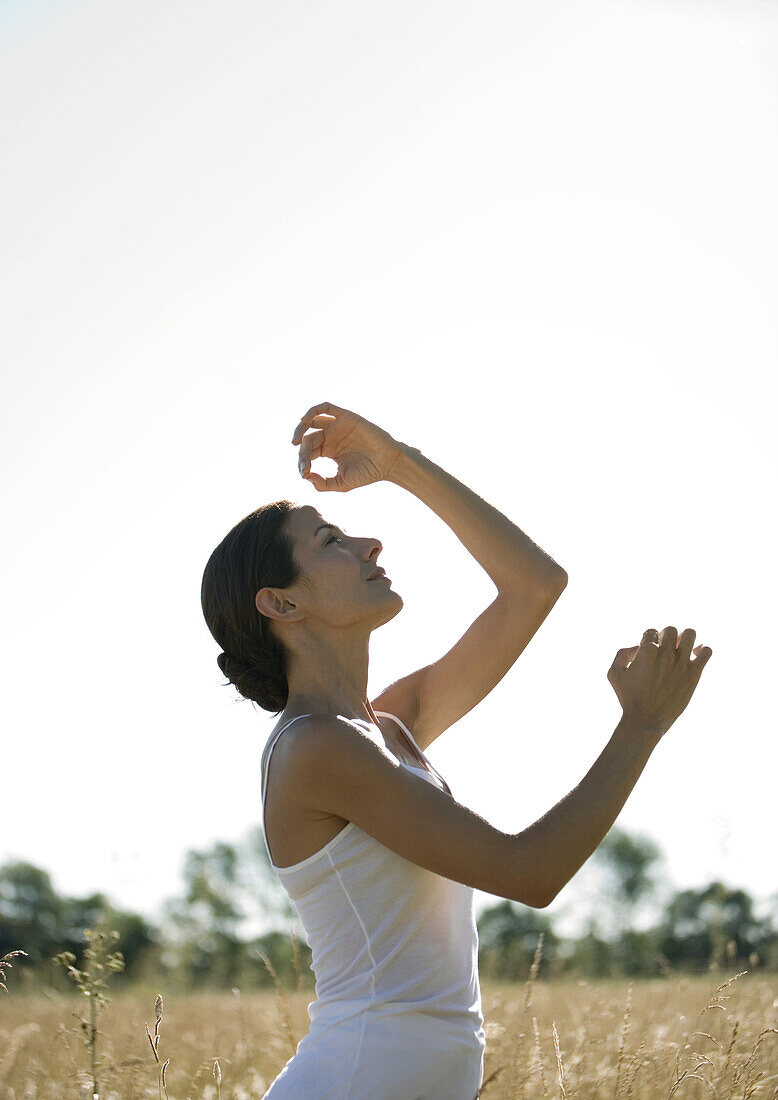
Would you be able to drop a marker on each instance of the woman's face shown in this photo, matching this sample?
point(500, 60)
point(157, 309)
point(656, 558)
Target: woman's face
point(337, 567)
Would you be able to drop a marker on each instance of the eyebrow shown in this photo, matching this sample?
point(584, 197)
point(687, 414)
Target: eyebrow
point(321, 526)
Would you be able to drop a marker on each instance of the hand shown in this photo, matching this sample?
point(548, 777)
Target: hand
point(364, 452)
point(655, 680)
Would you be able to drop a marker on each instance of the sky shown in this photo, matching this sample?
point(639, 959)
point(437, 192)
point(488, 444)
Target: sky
point(535, 241)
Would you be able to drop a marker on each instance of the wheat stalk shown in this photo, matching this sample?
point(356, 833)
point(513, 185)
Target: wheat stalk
point(282, 1001)
point(5, 963)
point(560, 1067)
point(622, 1044)
point(540, 1056)
point(533, 971)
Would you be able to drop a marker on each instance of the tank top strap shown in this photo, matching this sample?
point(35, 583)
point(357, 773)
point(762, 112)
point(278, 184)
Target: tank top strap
point(269, 748)
point(430, 767)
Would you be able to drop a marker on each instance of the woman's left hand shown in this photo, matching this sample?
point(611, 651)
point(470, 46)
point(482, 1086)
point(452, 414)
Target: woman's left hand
point(364, 452)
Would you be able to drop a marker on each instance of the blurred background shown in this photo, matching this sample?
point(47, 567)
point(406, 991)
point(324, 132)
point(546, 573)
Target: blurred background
point(535, 241)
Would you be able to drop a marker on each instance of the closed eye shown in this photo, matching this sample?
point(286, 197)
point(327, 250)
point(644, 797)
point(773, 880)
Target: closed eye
point(332, 538)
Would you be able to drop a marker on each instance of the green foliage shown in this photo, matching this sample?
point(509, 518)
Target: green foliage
point(508, 935)
point(224, 886)
point(591, 956)
point(714, 924)
point(290, 959)
point(630, 859)
point(32, 913)
point(205, 941)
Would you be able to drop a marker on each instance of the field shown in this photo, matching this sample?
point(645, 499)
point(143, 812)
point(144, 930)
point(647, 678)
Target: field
point(675, 1036)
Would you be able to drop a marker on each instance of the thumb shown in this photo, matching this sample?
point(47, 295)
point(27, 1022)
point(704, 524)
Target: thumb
point(701, 655)
point(623, 658)
point(323, 484)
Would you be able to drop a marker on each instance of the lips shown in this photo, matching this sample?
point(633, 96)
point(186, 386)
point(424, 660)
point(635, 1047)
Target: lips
point(378, 573)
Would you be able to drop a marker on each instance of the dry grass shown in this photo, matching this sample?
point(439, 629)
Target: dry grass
point(674, 1037)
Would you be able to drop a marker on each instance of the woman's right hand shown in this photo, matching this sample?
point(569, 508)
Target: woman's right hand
point(655, 680)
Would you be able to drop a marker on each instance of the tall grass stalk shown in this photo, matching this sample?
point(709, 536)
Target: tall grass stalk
point(91, 981)
point(5, 963)
point(560, 1066)
point(622, 1043)
point(154, 1043)
point(533, 971)
point(283, 1003)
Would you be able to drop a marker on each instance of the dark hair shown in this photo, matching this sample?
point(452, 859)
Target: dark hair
point(257, 553)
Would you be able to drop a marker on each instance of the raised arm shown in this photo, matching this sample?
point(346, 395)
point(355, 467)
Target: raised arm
point(528, 581)
point(528, 584)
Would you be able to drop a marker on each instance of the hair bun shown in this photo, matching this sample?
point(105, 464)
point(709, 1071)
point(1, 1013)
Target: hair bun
point(232, 668)
point(264, 686)
point(245, 677)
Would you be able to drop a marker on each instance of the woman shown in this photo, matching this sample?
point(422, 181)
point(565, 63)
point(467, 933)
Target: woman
point(378, 857)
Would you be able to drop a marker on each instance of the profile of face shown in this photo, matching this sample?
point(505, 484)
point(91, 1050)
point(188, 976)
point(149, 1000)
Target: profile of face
point(336, 590)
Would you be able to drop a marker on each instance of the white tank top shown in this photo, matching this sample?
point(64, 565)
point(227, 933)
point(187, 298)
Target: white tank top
point(390, 941)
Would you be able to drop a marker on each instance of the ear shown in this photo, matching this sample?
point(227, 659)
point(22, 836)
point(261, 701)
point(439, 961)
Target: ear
point(269, 602)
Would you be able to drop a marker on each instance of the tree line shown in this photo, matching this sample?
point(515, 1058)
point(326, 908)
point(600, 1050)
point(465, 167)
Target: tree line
point(205, 937)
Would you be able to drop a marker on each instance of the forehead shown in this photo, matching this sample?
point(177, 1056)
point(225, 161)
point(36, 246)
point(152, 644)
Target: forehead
point(304, 520)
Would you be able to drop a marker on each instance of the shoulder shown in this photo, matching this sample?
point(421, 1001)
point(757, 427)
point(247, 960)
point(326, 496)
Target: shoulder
point(316, 745)
point(319, 739)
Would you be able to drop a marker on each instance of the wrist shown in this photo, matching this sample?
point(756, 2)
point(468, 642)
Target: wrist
point(635, 728)
point(401, 469)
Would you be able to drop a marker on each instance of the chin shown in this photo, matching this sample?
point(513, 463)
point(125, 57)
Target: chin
point(390, 612)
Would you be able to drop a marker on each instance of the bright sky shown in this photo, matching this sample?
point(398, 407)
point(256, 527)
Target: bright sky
point(535, 241)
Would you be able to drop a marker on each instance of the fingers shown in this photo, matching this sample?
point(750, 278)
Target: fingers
point(649, 641)
point(685, 643)
point(682, 647)
point(669, 642)
point(310, 448)
point(307, 420)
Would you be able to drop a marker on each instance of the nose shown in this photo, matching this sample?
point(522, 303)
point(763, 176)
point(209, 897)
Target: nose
point(375, 546)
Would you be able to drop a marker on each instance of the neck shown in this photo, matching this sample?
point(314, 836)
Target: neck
point(327, 674)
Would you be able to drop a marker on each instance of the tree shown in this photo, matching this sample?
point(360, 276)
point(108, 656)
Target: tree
point(698, 924)
point(508, 935)
point(228, 889)
point(205, 919)
point(627, 861)
point(44, 923)
point(31, 911)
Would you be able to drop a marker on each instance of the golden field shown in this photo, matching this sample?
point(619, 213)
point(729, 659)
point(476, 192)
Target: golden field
point(675, 1036)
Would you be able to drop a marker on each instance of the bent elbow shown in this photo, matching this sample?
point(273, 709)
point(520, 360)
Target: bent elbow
point(530, 882)
point(535, 897)
point(557, 580)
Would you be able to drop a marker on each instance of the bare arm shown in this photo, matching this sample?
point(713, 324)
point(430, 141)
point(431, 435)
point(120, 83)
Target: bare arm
point(528, 581)
point(654, 682)
point(565, 837)
point(511, 559)
point(366, 453)
point(335, 767)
